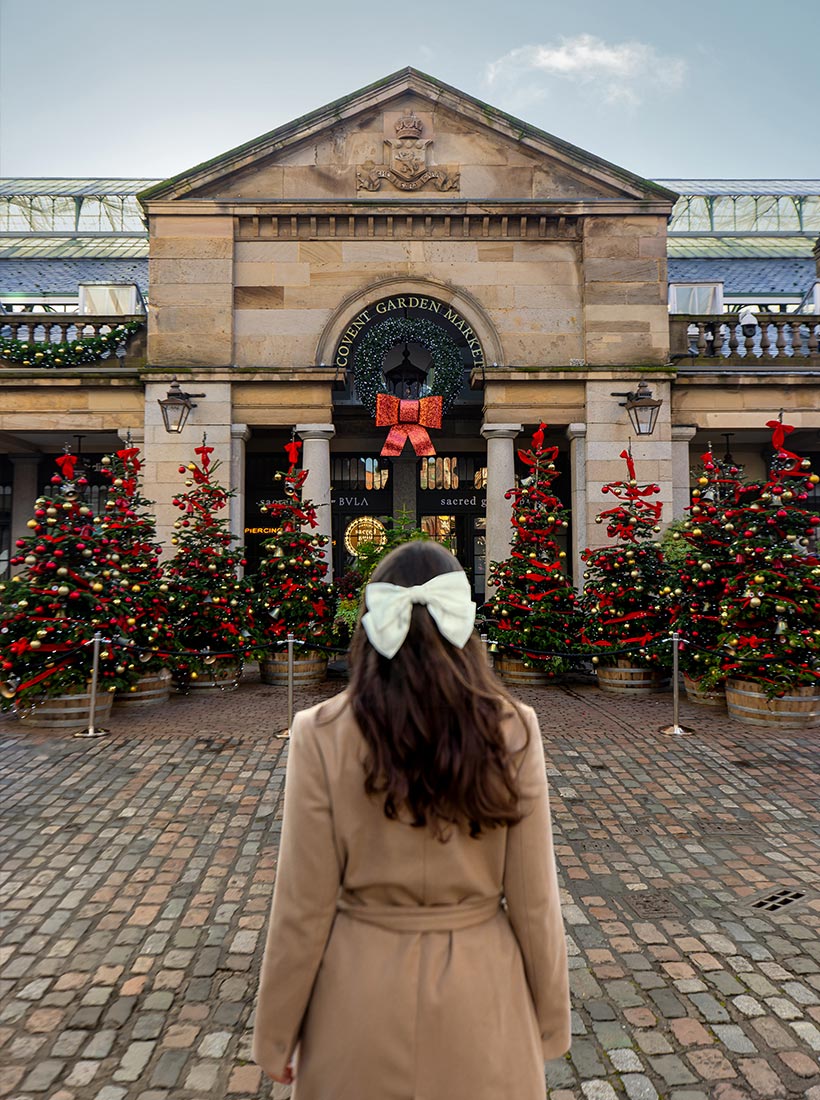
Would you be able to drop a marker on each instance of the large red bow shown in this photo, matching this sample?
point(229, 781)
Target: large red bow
point(408, 420)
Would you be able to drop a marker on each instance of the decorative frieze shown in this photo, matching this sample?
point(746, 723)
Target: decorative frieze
point(410, 225)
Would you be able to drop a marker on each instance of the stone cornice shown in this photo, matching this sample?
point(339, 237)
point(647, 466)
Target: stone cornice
point(398, 207)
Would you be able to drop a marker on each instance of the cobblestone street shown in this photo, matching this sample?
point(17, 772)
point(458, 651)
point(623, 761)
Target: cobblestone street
point(137, 872)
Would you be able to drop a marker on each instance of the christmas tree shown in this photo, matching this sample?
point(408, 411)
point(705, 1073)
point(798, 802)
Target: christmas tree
point(626, 601)
point(769, 615)
point(705, 566)
point(210, 607)
point(534, 605)
point(70, 586)
point(129, 529)
point(291, 594)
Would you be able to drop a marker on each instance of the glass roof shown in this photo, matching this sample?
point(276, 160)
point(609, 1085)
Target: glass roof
point(62, 248)
point(752, 246)
point(16, 186)
point(742, 187)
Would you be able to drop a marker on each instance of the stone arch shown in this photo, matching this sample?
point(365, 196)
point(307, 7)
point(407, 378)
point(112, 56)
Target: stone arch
point(461, 300)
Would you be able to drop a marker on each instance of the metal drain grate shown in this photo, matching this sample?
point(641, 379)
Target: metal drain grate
point(778, 899)
point(599, 846)
point(652, 903)
point(706, 826)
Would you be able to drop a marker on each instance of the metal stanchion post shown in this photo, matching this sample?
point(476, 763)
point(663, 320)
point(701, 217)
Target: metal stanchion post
point(676, 729)
point(484, 640)
point(93, 730)
point(290, 681)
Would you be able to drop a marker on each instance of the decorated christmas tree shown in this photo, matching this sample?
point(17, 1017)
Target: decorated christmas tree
point(534, 605)
point(129, 530)
point(705, 565)
point(626, 602)
point(771, 608)
point(210, 607)
point(291, 594)
point(70, 585)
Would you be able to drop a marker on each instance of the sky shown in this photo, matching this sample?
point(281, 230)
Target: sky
point(712, 89)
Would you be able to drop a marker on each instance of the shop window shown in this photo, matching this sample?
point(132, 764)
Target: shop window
point(355, 472)
point(448, 472)
point(440, 528)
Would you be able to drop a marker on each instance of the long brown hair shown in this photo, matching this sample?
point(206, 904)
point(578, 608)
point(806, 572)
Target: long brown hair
point(431, 716)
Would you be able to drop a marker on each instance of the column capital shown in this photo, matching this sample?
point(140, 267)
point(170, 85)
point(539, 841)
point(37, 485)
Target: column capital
point(316, 431)
point(683, 432)
point(501, 431)
point(576, 431)
point(241, 432)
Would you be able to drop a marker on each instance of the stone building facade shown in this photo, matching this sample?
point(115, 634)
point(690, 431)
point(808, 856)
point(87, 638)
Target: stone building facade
point(540, 265)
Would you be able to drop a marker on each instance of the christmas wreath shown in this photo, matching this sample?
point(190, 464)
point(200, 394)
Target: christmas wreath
point(445, 378)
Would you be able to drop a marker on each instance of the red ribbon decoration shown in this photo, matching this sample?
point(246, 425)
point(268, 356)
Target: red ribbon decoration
point(408, 420)
point(292, 451)
point(67, 464)
point(630, 464)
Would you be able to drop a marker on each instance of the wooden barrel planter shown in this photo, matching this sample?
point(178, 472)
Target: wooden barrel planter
point(149, 691)
point(625, 679)
point(798, 709)
point(711, 697)
point(515, 672)
point(222, 675)
point(67, 713)
point(309, 667)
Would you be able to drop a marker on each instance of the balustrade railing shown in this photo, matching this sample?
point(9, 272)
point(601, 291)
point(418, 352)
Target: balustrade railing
point(42, 329)
point(782, 339)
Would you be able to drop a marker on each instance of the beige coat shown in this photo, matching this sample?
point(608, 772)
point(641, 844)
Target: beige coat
point(389, 960)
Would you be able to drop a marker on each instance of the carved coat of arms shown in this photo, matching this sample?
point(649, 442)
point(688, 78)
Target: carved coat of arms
point(407, 165)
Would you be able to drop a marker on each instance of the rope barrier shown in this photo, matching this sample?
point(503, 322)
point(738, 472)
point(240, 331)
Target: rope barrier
point(279, 644)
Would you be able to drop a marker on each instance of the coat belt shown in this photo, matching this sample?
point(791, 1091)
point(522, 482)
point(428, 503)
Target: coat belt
point(422, 918)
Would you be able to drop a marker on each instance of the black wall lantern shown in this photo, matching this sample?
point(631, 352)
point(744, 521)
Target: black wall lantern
point(642, 407)
point(176, 408)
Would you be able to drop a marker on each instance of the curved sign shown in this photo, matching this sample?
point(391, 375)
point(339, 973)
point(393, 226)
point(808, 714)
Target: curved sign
point(459, 326)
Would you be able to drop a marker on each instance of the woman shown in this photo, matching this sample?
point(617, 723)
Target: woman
point(415, 949)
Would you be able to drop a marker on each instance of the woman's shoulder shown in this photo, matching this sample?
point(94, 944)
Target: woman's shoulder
point(325, 722)
point(519, 722)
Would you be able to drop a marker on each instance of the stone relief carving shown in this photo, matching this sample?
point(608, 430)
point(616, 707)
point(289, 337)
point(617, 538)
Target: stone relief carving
point(407, 162)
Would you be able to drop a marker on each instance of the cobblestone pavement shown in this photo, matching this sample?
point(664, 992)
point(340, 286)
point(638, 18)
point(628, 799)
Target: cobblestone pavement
point(137, 871)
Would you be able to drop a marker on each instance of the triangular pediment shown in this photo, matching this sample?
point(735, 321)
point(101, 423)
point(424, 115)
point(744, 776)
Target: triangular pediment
point(412, 137)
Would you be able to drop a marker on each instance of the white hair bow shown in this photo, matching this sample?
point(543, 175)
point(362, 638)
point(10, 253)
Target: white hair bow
point(447, 597)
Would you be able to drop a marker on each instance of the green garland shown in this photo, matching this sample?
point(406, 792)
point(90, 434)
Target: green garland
point(85, 349)
point(447, 374)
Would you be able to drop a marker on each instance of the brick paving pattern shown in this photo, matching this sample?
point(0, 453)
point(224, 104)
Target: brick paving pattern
point(137, 870)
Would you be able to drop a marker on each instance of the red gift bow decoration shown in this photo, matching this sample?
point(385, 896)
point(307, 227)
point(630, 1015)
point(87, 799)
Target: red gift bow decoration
point(408, 420)
point(67, 464)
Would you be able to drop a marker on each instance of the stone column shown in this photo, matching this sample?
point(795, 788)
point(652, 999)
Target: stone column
point(681, 436)
point(316, 460)
point(577, 435)
point(500, 479)
point(23, 494)
point(608, 433)
point(165, 453)
point(240, 434)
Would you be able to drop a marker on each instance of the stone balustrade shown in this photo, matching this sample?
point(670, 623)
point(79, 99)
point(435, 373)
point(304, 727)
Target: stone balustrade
point(778, 339)
point(39, 329)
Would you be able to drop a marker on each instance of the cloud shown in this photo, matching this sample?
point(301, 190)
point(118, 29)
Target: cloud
point(625, 71)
